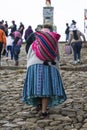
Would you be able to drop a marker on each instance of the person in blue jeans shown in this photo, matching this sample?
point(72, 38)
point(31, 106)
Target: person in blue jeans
point(75, 39)
point(76, 49)
point(16, 49)
point(67, 32)
point(9, 46)
point(9, 49)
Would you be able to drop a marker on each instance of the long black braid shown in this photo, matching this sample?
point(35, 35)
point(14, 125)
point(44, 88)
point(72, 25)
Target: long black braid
point(75, 35)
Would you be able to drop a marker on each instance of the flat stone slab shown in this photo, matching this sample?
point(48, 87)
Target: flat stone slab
point(12, 67)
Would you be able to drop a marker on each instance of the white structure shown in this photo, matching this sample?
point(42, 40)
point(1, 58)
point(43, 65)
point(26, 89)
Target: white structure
point(48, 15)
point(85, 22)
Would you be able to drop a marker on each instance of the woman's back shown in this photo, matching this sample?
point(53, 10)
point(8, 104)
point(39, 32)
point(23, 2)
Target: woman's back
point(76, 36)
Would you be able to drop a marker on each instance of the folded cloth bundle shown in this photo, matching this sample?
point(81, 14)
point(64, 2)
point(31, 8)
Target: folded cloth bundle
point(45, 45)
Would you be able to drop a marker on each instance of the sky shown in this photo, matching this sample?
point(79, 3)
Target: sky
point(30, 12)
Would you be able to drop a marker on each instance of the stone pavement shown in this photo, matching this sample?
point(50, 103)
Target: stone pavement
point(71, 115)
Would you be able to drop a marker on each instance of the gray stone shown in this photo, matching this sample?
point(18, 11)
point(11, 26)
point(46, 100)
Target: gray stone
point(71, 115)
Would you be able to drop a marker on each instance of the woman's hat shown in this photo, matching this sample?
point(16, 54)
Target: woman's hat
point(73, 21)
point(73, 28)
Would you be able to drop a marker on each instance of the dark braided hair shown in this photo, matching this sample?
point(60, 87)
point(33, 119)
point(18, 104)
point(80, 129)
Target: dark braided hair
point(75, 35)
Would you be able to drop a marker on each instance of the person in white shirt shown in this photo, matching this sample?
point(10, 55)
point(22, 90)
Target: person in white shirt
point(9, 45)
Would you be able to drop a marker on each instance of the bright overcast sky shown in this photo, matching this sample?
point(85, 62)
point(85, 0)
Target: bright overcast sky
point(30, 12)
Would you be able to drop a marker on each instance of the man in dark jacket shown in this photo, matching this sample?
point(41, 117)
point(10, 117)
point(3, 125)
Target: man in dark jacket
point(67, 31)
point(29, 37)
point(13, 27)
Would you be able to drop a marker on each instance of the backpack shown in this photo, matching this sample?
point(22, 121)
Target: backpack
point(45, 46)
point(20, 41)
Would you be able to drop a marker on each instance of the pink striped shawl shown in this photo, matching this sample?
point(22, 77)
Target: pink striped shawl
point(45, 45)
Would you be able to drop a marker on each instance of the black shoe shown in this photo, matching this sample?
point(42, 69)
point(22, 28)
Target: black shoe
point(39, 107)
point(16, 63)
point(44, 115)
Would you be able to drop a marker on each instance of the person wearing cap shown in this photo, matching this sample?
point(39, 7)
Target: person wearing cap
point(73, 22)
point(43, 85)
point(75, 39)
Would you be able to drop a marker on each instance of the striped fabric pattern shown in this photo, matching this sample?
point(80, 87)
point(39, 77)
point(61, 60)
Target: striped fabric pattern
point(41, 82)
point(47, 45)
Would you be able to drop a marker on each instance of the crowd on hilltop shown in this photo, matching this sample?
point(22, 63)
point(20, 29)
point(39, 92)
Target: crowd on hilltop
point(43, 85)
point(41, 89)
point(11, 39)
point(13, 27)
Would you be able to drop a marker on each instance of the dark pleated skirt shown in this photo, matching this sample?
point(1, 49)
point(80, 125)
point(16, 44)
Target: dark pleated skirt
point(43, 81)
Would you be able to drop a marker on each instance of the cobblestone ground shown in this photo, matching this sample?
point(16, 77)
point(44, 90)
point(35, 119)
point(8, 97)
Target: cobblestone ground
point(71, 115)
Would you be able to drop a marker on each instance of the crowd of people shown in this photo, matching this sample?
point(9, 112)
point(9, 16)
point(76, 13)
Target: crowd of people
point(11, 40)
point(40, 89)
point(73, 35)
point(43, 86)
